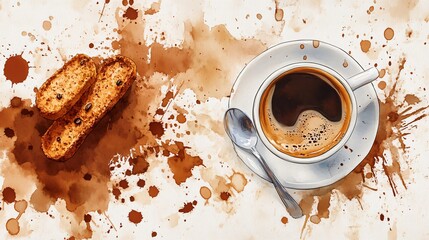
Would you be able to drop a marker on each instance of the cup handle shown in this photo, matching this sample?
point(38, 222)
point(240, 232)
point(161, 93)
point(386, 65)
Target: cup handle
point(363, 78)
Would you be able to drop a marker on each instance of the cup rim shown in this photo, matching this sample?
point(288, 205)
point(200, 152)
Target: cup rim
point(304, 160)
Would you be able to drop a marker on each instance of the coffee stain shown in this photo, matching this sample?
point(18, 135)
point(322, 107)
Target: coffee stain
point(12, 225)
point(131, 13)
point(370, 10)
point(345, 63)
point(47, 25)
point(284, 220)
point(153, 191)
point(389, 33)
point(154, 234)
point(16, 69)
point(154, 8)
point(365, 45)
point(9, 195)
point(181, 163)
point(279, 14)
point(188, 207)
point(316, 43)
point(381, 73)
point(411, 99)
point(238, 181)
point(397, 118)
point(205, 193)
point(135, 216)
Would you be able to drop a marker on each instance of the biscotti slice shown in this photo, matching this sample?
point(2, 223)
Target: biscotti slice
point(65, 135)
point(63, 89)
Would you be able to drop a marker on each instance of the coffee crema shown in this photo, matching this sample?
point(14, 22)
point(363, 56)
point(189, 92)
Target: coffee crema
point(305, 112)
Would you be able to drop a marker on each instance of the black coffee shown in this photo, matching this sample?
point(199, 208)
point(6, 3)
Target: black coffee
point(297, 92)
point(305, 112)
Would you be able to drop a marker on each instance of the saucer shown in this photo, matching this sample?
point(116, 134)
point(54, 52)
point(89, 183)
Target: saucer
point(341, 163)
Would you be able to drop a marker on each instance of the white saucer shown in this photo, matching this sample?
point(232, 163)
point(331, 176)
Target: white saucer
point(332, 169)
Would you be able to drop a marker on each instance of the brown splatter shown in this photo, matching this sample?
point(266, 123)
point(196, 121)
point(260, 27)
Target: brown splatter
point(123, 184)
point(182, 163)
point(188, 207)
point(365, 45)
point(397, 118)
point(382, 85)
point(16, 69)
point(238, 181)
point(8, 132)
point(154, 234)
point(370, 10)
point(381, 73)
point(139, 165)
point(12, 226)
point(411, 99)
point(345, 63)
point(181, 118)
point(20, 206)
point(284, 220)
point(304, 57)
point(259, 16)
point(225, 196)
point(135, 216)
point(156, 129)
point(278, 15)
point(91, 45)
point(382, 217)
point(131, 13)
point(389, 33)
point(154, 8)
point(316, 43)
point(205, 193)
point(47, 25)
point(141, 183)
point(9, 195)
point(302, 46)
point(206, 62)
point(153, 191)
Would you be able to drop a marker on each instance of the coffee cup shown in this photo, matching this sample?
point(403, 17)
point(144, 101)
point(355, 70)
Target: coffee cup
point(305, 112)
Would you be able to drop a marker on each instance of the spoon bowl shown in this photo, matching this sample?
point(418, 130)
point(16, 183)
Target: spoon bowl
point(241, 130)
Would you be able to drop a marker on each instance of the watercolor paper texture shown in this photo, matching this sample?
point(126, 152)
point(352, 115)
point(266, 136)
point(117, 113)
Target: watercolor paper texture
point(159, 165)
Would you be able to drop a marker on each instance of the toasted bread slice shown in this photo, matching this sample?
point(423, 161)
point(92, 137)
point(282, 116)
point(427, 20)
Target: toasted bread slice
point(63, 89)
point(65, 135)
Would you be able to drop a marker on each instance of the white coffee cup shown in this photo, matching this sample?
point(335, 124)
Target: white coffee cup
point(351, 84)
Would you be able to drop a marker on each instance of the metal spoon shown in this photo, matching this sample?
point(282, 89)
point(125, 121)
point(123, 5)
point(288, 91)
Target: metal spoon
point(240, 129)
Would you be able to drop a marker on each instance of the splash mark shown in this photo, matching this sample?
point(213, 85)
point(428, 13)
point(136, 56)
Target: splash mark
point(153, 191)
point(12, 225)
point(16, 69)
point(131, 13)
point(135, 216)
point(188, 207)
point(365, 45)
point(182, 163)
point(396, 122)
point(205, 193)
point(389, 33)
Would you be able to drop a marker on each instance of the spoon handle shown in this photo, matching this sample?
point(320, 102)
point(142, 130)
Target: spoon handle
point(291, 205)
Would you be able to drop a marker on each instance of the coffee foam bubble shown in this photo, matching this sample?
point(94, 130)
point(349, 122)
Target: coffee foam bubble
point(311, 133)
